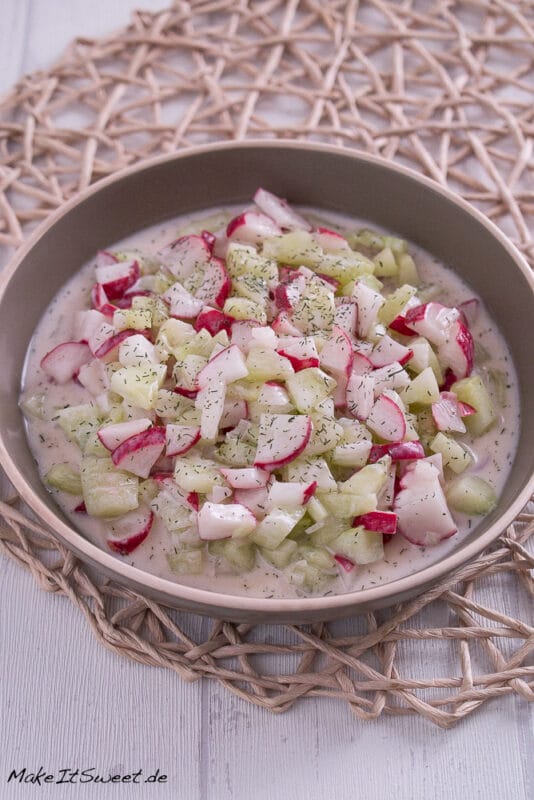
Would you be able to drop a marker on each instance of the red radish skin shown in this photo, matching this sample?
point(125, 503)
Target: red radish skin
point(113, 435)
point(117, 278)
point(100, 301)
point(446, 413)
point(469, 311)
point(387, 419)
point(139, 453)
point(107, 348)
point(299, 363)
point(251, 227)
point(63, 362)
point(280, 211)
point(465, 409)
point(80, 508)
point(186, 254)
point(216, 283)
point(209, 238)
point(458, 351)
point(378, 521)
point(180, 439)
point(190, 393)
point(213, 321)
point(253, 499)
point(309, 491)
point(399, 326)
point(279, 445)
point(344, 562)
point(193, 500)
point(104, 258)
point(283, 326)
point(126, 544)
point(399, 451)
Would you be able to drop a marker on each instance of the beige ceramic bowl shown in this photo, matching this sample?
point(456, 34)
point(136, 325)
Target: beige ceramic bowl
point(313, 175)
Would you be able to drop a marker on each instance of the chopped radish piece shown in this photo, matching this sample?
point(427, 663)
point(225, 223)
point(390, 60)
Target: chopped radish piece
point(388, 350)
point(180, 439)
point(127, 532)
point(360, 395)
point(216, 284)
point(245, 478)
point(281, 438)
point(181, 302)
point(369, 303)
point(213, 321)
point(379, 521)
point(139, 453)
point(432, 320)
point(104, 258)
point(465, 409)
point(447, 414)
point(209, 238)
point(399, 451)
point(287, 295)
point(300, 351)
point(241, 333)
point(233, 412)
point(117, 277)
point(386, 418)
point(227, 366)
point(330, 241)
point(185, 255)
point(337, 358)
point(94, 377)
point(274, 395)
point(63, 362)
point(282, 325)
point(422, 513)
point(280, 211)
point(361, 365)
point(107, 350)
point(344, 562)
point(399, 326)
point(457, 351)
point(210, 401)
point(100, 300)
point(223, 520)
point(394, 376)
point(290, 495)
point(112, 436)
point(469, 311)
point(346, 316)
point(251, 227)
point(253, 499)
point(219, 494)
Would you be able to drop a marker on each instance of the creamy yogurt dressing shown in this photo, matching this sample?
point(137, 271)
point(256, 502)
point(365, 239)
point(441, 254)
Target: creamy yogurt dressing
point(493, 452)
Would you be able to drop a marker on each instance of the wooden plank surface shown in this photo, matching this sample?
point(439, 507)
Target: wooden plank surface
point(66, 702)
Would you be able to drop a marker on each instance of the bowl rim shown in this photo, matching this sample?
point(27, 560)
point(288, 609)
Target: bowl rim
point(372, 597)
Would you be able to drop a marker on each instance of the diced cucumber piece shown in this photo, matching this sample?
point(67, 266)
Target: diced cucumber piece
point(316, 510)
point(197, 475)
point(282, 555)
point(307, 577)
point(79, 422)
point(242, 308)
point(342, 505)
point(395, 303)
point(315, 311)
point(158, 308)
point(274, 528)
point(185, 372)
point(471, 495)
point(170, 406)
point(352, 454)
point(326, 535)
point(33, 405)
point(148, 490)
point(174, 333)
point(318, 557)
point(423, 389)
point(64, 477)
point(296, 248)
point(132, 318)
point(326, 434)
point(407, 270)
point(213, 222)
point(368, 480)
point(265, 364)
point(473, 391)
point(310, 469)
point(107, 491)
point(308, 387)
point(366, 238)
point(359, 545)
point(94, 447)
point(385, 264)
point(186, 562)
point(139, 385)
point(453, 453)
point(252, 287)
point(240, 553)
point(346, 267)
point(423, 357)
point(243, 259)
point(174, 515)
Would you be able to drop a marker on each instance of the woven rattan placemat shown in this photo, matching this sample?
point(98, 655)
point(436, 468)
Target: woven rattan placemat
point(443, 87)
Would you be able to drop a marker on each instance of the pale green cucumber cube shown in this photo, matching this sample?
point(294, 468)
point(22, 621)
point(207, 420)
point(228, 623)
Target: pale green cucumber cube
point(369, 480)
point(107, 491)
point(79, 422)
point(471, 495)
point(318, 557)
point(64, 477)
point(473, 391)
point(423, 389)
point(265, 364)
point(33, 405)
point(454, 455)
point(407, 270)
point(252, 287)
point(197, 475)
point(342, 505)
point(242, 308)
point(395, 303)
point(307, 577)
point(239, 553)
point(242, 259)
point(326, 434)
point(359, 545)
point(132, 319)
point(276, 526)
point(139, 385)
point(282, 555)
point(308, 387)
point(186, 562)
point(385, 264)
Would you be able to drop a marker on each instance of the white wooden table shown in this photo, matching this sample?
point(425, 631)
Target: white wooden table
point(67, 703)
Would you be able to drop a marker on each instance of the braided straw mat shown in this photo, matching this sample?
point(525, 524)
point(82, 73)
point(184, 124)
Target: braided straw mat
point(442, 87)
